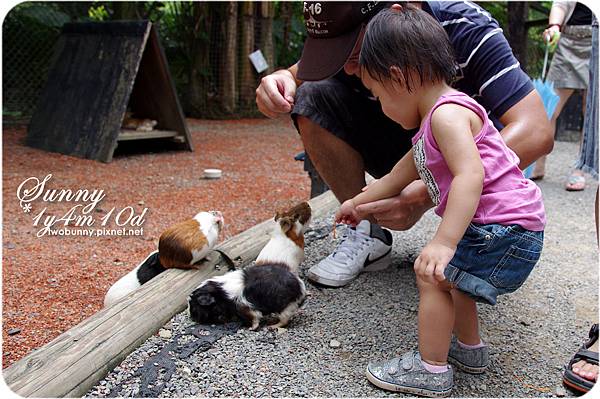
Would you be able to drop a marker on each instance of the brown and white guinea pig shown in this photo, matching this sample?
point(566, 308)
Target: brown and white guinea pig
point(269, 287)
point(180, 246)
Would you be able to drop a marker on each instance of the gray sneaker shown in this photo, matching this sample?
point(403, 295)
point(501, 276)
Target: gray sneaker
point(474, 361)
point(366, 248)
point(408, 375)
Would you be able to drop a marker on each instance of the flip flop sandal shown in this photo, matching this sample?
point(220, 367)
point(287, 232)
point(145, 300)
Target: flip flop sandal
point(574, 381)
point(575, 183)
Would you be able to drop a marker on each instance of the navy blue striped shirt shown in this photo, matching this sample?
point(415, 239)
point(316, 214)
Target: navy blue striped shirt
point(489, 72)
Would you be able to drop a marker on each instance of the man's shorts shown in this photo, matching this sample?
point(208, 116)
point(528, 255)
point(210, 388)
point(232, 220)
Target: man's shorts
point(357, 120)
point(493, 259)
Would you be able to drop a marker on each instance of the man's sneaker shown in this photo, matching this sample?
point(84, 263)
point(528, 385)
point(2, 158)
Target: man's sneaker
point(366, 248)
point(408, 375)
point(473, 361)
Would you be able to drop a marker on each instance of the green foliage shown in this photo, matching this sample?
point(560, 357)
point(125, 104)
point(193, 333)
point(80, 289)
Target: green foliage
point(41, 15)
point(98, 13)
point(538, 11)
point(537, 46)
point(497, 9)
point(287, 54)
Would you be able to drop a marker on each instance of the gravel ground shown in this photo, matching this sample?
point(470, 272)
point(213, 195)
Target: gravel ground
point(327, 346)
point(50, 284)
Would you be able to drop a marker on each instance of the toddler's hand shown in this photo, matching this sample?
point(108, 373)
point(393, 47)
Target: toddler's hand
point(347, 214)
point(432, 262)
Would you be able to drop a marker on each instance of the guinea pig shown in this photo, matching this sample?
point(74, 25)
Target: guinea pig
point(180, 246)
point(269, 287)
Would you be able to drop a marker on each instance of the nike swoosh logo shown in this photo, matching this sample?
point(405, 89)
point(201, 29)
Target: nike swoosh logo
point(369, 261)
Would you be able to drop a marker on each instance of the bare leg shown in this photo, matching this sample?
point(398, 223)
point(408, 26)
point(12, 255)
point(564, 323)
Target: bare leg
point(466, 322)
point(578, 184)
point(340, 166)
point(540, 164)
point(436, 319)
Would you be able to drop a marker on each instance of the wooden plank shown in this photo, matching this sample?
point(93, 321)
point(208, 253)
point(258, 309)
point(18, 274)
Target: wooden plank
point(73, 363)
point(130, 134)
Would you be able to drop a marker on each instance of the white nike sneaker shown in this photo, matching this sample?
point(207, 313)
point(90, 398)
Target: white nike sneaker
point(364, 249)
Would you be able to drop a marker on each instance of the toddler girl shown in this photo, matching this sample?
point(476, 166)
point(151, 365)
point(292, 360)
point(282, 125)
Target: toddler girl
point(491, 232)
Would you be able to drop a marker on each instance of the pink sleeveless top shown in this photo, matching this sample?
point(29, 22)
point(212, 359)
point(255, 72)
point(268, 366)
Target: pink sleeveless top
point(507, 197)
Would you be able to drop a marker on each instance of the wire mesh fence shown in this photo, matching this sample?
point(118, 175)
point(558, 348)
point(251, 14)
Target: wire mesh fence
point(29, 34)
point(207, 45)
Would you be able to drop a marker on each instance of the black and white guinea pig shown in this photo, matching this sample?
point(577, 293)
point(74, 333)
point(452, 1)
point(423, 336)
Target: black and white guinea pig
point(269, 287)
point(180, 246)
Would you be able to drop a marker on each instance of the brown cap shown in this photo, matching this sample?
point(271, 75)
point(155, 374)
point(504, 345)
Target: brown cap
point(333, 28)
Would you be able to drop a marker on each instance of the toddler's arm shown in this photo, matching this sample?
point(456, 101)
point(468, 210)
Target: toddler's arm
point(453, 128)
point(403, 173)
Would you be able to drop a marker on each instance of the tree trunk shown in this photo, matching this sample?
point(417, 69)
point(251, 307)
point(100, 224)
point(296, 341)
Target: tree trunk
point(199, 90)
point(267, 11)
point(517, 31)
point(227, 72)
point(125, 10)
point(247, 79)
point(286, 12)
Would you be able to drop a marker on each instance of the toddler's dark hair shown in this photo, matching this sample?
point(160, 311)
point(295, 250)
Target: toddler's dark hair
point(411, 40)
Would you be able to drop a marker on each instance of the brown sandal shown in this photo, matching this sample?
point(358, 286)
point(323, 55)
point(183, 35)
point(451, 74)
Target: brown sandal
point(574, 381)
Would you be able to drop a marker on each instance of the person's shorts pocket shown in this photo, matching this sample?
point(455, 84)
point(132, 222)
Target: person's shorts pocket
point(481, 238)
point(515, 266)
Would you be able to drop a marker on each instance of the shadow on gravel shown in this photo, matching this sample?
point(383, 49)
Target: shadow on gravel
point(158, 369)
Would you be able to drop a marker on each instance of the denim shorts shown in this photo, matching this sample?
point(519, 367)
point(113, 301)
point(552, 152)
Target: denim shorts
point(335, 105)
point(493, 259)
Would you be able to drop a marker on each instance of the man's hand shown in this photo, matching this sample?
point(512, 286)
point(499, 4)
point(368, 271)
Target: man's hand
point(347, 214)
point(431, 263)
point(275, 94)
point(402, 211)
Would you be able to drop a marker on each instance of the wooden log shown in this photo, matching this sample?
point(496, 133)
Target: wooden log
point(74, 362)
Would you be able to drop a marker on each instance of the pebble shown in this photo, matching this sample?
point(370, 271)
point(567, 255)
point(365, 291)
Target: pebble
point(165, 333)
point(560, 392)
point(334, 343)
point(14, 331)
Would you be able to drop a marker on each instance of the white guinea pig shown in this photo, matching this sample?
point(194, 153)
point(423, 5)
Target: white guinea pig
point(270, 286)
point(180, 246)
